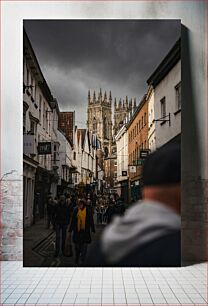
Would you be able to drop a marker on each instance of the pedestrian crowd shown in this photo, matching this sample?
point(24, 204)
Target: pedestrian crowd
point(147, 234)
point(73, 218)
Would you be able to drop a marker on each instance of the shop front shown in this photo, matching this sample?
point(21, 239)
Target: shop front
point(42, 189)
point(136, 190)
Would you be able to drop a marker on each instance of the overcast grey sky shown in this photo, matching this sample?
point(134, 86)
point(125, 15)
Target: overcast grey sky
point(116, 55)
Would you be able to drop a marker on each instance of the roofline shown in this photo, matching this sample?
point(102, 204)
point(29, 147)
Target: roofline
point(137, 111)
point(169, 61)
point(43, 85)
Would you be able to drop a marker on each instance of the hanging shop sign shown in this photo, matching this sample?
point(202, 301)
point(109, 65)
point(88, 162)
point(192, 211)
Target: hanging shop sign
point(44, 148)
point(124, 173)
point(144, 153)
point(132, 169)
point(29, 144)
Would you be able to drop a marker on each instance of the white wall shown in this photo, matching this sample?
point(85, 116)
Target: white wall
point(122, 153)
point(151, 123)
point(166, 88)
point(65, 155)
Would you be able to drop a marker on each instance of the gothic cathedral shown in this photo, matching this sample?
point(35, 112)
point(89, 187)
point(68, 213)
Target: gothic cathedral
point(99, 119)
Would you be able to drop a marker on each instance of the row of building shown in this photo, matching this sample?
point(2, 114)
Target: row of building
point(58, 157)
point(106, 156)
point(155, 122)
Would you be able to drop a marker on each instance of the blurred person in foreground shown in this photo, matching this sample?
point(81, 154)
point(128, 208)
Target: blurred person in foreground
point(148, 235)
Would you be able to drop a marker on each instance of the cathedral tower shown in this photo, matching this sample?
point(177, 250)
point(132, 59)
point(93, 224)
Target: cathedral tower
point(99, 118)
point(121, 110)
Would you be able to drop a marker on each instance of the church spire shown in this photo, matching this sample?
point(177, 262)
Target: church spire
point(110, 97)
point(89, 96)
point(130, 104)
point(100, 95)
point(115, 104)
point(94, 97)
point(119, 104)
point(134, 103)
point(126, 103)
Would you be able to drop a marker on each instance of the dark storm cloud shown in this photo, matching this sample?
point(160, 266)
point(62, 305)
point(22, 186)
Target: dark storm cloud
point(116, 55)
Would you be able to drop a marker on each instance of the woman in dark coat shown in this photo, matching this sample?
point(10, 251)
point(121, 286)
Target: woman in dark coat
point(82, 224)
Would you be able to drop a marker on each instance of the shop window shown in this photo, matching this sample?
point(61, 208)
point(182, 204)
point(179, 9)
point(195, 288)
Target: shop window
point(33, 127)
point(163, 107)
point(40, 109)
point(178, 96)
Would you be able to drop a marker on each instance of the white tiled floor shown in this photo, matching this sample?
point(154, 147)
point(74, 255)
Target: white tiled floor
point(96, 286)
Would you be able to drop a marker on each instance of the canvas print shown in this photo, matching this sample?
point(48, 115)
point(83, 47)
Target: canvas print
point(101, 143)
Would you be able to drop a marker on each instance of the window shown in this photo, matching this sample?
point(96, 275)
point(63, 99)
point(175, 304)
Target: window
point(44, 122)
point(178, 96)
point(25, 108)
point(145, 118)
point(139, 125)
point(28, 77)
point(54, 157)
point(24, 121)
point(137, 128)
point(32, 83)
point(74, 155)
point(46, 118)
point(145, 144)
point(142, 121)
point(40, 108)
point(33, 127)
point(163, 107)
point(94, 125)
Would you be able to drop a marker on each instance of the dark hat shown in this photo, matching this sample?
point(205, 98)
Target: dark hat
point(163, 166)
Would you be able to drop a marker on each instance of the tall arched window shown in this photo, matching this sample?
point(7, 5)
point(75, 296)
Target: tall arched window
point(105, 128)
point(94, 125)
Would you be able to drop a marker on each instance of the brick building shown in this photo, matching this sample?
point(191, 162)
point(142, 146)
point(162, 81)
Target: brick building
point(138, 141)
point(67, 124)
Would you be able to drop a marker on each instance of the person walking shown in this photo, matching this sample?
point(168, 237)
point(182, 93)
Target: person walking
point(148, 235)
point(50, 211)
point(68, 242)
point(82, 224)
point(61, 223)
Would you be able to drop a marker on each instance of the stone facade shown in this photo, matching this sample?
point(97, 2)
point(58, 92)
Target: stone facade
point(121, 111)
point(99, 119)
point(138, 140)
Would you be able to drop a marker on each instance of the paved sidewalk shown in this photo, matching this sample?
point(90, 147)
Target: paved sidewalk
point(33, 236)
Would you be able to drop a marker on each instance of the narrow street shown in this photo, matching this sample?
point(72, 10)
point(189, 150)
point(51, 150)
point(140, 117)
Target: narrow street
point(39, 247)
